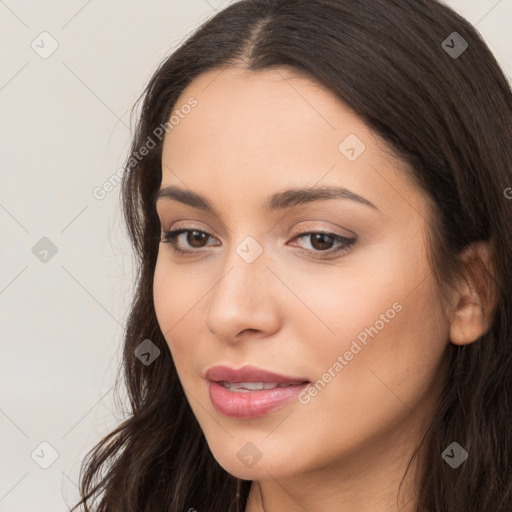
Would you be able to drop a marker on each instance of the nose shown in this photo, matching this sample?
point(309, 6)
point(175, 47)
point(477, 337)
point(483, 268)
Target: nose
point(242, 303)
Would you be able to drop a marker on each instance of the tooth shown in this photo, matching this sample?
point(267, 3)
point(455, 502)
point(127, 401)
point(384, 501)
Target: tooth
point(248, 386)
point(253, 386)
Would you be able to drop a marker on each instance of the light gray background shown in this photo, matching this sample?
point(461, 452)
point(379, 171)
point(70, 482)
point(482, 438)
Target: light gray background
point(65, 129)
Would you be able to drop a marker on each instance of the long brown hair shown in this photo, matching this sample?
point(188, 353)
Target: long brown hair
point(449, 117)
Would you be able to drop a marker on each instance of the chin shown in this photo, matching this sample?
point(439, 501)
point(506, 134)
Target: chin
point(249, 464)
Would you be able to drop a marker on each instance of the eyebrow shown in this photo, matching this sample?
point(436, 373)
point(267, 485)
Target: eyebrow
point(277, 201)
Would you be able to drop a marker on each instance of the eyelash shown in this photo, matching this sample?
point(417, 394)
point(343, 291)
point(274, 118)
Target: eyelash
point(169, 237)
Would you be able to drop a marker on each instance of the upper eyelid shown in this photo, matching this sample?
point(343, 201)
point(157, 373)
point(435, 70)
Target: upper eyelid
point(224, 229)
point(295, 232)
point(348, 233)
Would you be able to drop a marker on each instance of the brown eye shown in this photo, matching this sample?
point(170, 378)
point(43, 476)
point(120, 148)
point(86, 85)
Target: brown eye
point(321, 242)
point(325, 245)
point(193, 239)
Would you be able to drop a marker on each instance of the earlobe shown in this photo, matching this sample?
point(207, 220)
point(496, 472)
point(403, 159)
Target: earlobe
point(476, 296)
point(468, 324)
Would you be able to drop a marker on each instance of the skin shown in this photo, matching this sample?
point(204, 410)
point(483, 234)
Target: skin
point(251, 135)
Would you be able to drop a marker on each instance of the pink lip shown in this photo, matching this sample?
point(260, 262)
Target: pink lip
point(248, 374)
point(245, 405)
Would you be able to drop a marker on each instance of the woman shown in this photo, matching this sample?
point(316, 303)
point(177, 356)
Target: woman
point(319, 196)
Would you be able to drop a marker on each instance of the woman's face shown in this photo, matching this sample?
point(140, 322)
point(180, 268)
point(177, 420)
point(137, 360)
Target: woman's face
point(358, 317)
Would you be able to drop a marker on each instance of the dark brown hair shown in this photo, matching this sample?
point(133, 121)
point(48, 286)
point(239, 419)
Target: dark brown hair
point(449, 118)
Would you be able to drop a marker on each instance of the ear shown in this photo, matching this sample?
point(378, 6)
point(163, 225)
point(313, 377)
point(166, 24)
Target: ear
point(476, 296)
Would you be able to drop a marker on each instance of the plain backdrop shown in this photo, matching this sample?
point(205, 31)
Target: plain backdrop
point(66, 267)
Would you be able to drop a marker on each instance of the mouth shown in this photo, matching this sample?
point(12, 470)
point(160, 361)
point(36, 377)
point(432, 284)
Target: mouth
point(248, 387)
point(250, 392)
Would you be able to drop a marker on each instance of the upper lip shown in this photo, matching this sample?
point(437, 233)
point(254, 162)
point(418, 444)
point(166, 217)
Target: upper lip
point(248, 373)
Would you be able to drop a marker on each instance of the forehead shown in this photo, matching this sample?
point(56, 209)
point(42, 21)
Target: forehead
point(269, 128)
point(273, 108)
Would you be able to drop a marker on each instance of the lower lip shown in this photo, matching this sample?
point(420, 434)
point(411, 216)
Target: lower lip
point(252, 404)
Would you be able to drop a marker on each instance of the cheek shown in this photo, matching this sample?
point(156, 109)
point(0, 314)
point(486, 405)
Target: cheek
point(378, 386)
point(172, 299)
point(379, 332)
point(175, 292)
point(178, 299)
point(163, 295)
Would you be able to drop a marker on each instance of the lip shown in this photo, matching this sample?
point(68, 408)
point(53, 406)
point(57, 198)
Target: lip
point(250, 404)
point(248, 373)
